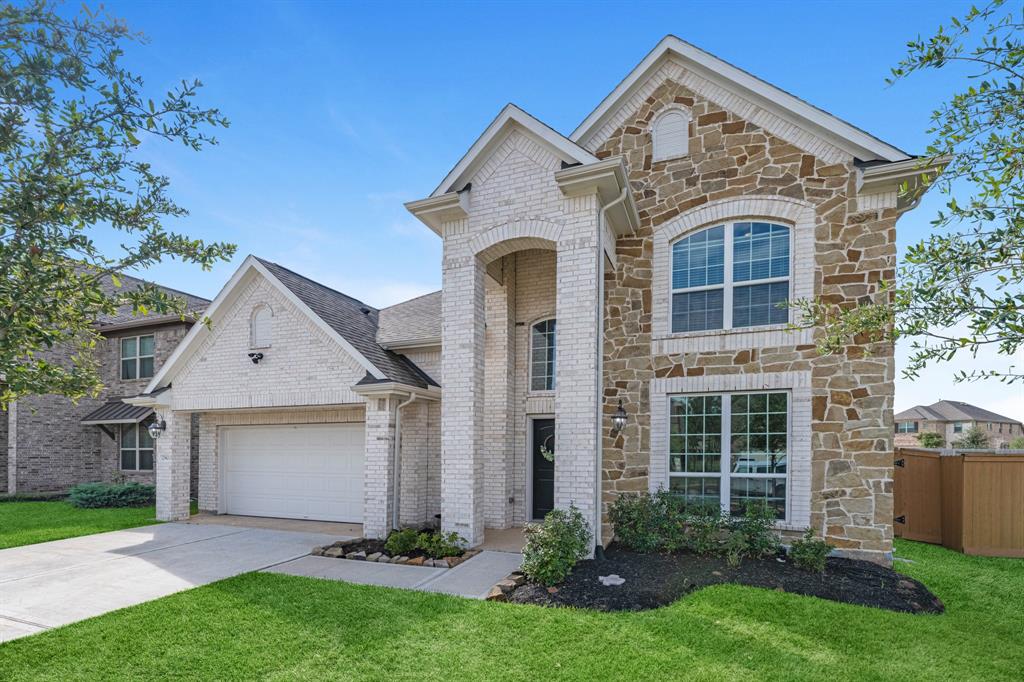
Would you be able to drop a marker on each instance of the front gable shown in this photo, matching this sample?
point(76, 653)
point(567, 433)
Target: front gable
point(813, 130)
point(302, 365)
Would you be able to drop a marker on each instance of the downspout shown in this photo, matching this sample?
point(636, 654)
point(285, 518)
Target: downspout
point(598, 549)
point(396, 478)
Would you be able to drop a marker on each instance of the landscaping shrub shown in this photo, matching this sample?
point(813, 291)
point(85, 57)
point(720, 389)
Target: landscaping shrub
point(438, 545)
point(402, 541)
point(706, 528)
point(555, 545)
point(95, 495)
point(756, 529)
point(809, 553)
point(637, 522)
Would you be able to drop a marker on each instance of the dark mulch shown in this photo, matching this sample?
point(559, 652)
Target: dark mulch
point(654, 580)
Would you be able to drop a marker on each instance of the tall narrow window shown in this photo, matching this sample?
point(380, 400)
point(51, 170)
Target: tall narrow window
point(261, 334)
point(670, 135)
point(137, 355)
point(542, 356)
point(136, 447)
point(731, 276)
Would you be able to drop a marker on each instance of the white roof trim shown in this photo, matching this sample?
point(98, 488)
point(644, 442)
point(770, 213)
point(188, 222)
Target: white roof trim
point(509, 116)
point(857, 142)
point(198, 332)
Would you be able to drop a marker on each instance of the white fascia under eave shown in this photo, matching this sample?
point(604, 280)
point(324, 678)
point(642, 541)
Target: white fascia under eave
point(858, 143)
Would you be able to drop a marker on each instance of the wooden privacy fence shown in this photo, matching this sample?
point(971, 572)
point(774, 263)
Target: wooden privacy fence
point(972, 502)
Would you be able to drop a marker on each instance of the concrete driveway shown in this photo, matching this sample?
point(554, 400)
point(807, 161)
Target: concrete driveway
point(55, 583)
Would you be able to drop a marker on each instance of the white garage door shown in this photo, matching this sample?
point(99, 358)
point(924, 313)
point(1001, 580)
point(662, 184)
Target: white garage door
point(296, 472)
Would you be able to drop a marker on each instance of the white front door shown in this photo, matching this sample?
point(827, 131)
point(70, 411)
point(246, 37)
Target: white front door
point(298, 471)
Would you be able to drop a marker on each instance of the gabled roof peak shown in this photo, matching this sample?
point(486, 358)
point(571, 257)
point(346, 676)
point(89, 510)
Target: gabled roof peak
point(855, 141)
point(510, 116)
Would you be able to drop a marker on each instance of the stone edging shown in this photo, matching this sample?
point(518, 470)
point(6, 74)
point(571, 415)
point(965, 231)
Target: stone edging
point(505, 586)
point(338, 551)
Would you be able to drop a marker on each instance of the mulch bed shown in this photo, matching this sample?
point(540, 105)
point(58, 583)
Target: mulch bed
point(372, 546)
point(654, 580)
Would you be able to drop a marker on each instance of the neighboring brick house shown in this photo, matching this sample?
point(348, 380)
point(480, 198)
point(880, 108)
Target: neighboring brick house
point(950, 419)
point(50, 444)
point(639, 262)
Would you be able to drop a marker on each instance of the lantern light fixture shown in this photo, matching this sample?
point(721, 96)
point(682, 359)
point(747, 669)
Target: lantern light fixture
point(619, 419)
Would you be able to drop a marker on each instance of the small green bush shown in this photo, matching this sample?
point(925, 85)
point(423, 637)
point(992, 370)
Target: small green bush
point(439, 545)
point(402, 541)
point(706, 529)
point(734, 548)
point(930, 439)
point(96, 495)
point(555, 545)
point(637, 521)
point(756, 526)
point(809, 552)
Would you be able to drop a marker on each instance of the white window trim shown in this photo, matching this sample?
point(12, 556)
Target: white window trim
point(138, 356)
point(529, 360)
point(121, 449)
point(798, 384)
point(725, 473)
point(253, 341)
point(728, 285)
point(915, 429)
point(678, 109)
point(797, 213)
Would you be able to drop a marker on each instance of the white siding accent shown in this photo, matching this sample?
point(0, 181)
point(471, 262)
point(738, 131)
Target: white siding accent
point(670, 134)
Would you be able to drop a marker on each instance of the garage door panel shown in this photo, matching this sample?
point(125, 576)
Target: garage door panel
point(307, 471)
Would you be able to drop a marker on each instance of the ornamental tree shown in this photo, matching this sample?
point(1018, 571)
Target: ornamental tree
point(72, 120)
point(961, 288)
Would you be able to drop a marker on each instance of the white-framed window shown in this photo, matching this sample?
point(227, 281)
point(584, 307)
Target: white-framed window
point(542, 355)
point(731, 276)
point(730, 449)
point(906, 427)
point(136, 447)
point(137, 356)
point(261, 327)
point(670, 134)
point(958, 427)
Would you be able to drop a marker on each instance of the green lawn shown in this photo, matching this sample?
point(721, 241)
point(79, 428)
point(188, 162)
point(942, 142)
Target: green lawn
point(26, 523)
point(260, 626)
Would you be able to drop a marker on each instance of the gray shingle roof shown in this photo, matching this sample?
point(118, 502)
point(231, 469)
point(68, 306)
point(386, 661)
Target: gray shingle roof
point(417, 320)
point(355, 321)
point(124, 314)
point(951, 411)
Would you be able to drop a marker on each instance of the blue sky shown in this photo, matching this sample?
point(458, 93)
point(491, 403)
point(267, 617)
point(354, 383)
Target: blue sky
point(340, 112)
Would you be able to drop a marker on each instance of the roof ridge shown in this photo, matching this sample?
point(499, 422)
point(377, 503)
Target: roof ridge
point(313, 281)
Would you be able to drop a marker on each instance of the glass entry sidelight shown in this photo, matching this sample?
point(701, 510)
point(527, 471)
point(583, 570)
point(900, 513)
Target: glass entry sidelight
point(543, 484)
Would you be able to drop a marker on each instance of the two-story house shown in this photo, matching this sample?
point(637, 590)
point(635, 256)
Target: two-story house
point(613, 319)
point(951, 419)
point(50, 444)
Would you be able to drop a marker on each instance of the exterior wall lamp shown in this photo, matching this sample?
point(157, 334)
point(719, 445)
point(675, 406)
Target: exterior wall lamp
point(157, 428)
point(255, 357)
point(618, 419)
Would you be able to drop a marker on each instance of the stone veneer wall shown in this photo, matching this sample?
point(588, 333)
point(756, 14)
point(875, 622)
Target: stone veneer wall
point(52, 451)
point(851, 432)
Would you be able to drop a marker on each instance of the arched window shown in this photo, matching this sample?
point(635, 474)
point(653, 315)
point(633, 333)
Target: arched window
point(261, 331)
point(670, 134)
point(731, 276)
point(542, 356)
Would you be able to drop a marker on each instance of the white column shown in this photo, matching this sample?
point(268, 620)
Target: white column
point(577, 343)
point(173, 466)
point(499, 372)
point(378, 471)
point(462, 409)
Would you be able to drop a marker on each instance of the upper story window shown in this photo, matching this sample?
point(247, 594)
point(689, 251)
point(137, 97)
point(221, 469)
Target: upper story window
point(670, 135)
point(261, 331)
point(731, 276)
point(958, 427)
point(906, 427)
point(542, 356)
point(137, 357)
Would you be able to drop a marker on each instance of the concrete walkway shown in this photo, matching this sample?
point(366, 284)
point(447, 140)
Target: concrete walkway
point(56, 583)
point(473, 578)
